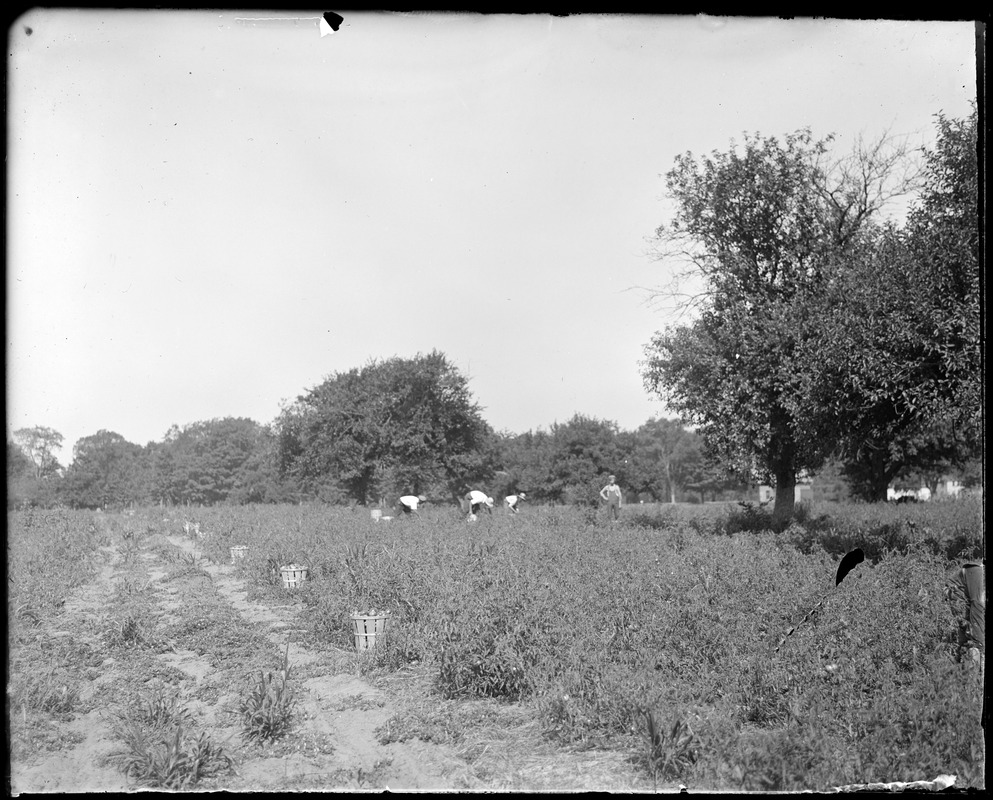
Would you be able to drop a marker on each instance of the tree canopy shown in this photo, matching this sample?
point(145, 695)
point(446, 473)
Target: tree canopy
point(772, 228)
point(103, 473)
point(899, 352)
point(390, 427)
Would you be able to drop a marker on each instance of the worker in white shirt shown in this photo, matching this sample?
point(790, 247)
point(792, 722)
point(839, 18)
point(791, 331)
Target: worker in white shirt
point(511, 501)
point(409, 502)
point(477, 501)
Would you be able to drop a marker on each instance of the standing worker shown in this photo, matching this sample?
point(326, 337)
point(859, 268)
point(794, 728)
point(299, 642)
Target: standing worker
point(477, 500)
point(966, 591)
point(611, 493)
point(512, 500)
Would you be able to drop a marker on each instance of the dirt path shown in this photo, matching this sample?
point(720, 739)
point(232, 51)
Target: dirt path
point(336, 708)
point(337, 741)
point(333, 745)
point(78, 767)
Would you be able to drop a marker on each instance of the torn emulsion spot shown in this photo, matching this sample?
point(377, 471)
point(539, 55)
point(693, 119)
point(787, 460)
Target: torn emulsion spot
point(848, 563)
point(709, 23)
point(851, 560)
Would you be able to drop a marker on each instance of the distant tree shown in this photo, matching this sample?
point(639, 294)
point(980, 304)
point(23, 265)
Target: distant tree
point(658, 459)
point(527, 459)
point(586, 450)
point(37, 482)
point(20, 476)
point(970, 474)
point(161, 459)
point(39, 445)
point(411, 420)
point(763, 227)
point(567, 463)
point(103, 472)
point(213, 461)
point(257, 479)
point(18, 464)
point(829, 483)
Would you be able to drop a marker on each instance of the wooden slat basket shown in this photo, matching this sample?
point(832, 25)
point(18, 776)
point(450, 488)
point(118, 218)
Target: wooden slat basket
point(367, 627)
point(293, 575)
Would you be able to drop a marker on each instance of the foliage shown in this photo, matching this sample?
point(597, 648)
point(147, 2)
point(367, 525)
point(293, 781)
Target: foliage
point(664, 458)
point(267, 708)
point(39, 444)
point(48, 691)
point(765, 228)
point(390, 427)
point(103, 472)
point(49, 552)
point(900, 348)
point(671, 749)
point(159, 750)
point(587, 629)
point(214, 461)
point(33, 472)
point(659, 460)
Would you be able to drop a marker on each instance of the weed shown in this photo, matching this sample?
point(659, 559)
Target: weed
point(266, 710)
point(170, 760)
point(671, 750)
point(27, 615)
point(45, 691)
point(159, 751)
point(160, 711)
point(355, 562)
point(130, 586)
point(129, 632)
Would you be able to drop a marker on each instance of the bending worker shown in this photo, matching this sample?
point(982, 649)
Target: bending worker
point(513, 499)
point(408, 503)
point(477, 501)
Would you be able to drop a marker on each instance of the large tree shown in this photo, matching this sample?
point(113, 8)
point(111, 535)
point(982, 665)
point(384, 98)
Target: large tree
point(762, 227)
point(899, 352)
point(104, 472)
point(390, 427)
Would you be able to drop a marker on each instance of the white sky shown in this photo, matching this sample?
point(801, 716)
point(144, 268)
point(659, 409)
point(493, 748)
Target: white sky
point(207, 217)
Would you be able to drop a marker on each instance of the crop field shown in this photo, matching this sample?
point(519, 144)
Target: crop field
point(543, 651)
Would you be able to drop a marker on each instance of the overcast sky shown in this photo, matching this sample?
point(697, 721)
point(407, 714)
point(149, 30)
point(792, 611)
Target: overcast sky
point(208, 215)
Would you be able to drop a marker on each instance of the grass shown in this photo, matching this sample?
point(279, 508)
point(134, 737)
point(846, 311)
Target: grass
point(653, 641)
point(537, 608)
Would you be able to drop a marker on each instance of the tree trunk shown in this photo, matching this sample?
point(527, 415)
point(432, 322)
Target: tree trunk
point(785, 494)
point(880, 484)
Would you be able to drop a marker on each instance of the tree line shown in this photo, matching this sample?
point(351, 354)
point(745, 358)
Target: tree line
point(350, 440)
point(824, 340)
